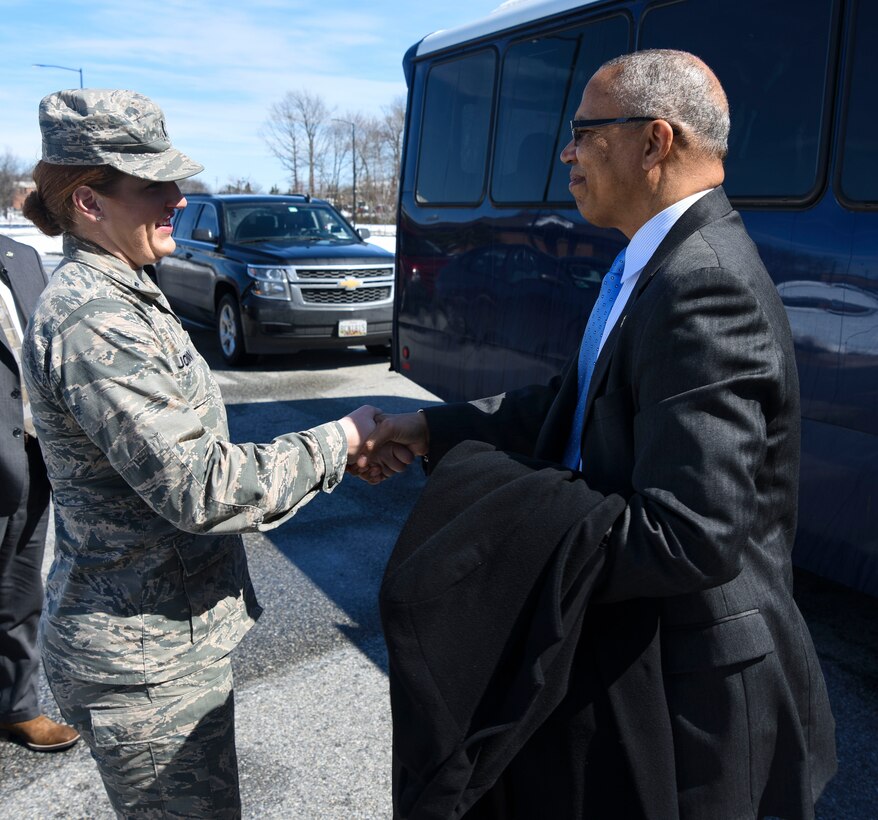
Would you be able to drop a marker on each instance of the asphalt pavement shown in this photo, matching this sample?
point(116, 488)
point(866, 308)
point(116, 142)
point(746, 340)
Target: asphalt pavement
point(312, 712)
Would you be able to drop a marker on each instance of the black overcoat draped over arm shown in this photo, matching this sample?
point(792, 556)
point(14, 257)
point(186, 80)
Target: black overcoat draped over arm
point(482, 606)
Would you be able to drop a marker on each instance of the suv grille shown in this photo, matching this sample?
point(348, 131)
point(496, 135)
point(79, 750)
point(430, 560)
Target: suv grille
point(319, 284)
point(341, 273)
point(324, 296)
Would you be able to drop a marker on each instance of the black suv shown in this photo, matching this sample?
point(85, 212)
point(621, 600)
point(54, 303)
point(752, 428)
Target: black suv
point(276, 274)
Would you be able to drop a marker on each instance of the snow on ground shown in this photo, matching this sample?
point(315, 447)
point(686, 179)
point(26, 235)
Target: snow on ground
point(21, 230)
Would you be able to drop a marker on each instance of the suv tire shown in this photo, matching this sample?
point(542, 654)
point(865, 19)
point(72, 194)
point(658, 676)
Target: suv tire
point(230, 331)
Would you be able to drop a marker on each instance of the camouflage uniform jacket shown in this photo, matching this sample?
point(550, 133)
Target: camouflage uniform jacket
point(150, 578)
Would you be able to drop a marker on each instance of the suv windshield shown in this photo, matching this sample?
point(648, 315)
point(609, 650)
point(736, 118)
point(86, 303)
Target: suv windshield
point(286, 223)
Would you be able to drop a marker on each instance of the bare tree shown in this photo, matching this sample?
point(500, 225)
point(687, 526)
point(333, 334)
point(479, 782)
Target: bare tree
point(392, 130)
point(193, 186)
point(281, 134)
point(311, 144)
point(369, 161)
point(379, 153)
point(392, 127)
point(12, 170)
point(336, 160)
point(242, 185)
point(296, 132)
point(343, 160)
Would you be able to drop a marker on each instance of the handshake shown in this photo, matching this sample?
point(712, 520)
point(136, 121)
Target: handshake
point(381, 445)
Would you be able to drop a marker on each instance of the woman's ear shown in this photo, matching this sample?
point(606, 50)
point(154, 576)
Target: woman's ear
point(87, 203)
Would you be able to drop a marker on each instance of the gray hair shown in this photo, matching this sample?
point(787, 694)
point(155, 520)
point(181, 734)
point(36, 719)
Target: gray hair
point(675, 86)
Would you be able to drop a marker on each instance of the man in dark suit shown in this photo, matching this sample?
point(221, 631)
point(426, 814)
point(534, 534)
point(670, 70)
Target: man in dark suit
point(683, 400)
point(23, 516)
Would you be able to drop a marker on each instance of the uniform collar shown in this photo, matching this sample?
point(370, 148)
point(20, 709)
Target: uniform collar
point(88, 253)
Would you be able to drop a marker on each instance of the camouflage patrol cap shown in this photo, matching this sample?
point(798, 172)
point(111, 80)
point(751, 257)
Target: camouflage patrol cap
point(122, 129)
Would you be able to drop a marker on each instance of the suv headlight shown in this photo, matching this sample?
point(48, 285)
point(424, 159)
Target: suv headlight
point(269, 282)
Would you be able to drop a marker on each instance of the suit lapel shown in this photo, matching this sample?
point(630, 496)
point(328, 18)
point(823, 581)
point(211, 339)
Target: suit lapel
point(709, 208)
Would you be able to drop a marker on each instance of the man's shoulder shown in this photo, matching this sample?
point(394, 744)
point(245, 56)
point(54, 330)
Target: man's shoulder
point(712, 234)
point(708, 227)
point(713, 255)
point(12, 243)
point(10, 247)
point(728, 239)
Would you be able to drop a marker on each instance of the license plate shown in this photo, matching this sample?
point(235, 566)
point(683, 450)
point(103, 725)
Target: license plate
point(351, 327)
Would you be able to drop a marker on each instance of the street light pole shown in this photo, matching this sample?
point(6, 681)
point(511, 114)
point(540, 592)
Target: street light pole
point(354, 163)
point(64, 67)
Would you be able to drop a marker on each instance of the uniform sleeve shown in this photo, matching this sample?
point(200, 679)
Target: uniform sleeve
point(165, 436)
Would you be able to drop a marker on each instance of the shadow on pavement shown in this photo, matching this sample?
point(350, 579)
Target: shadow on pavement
point(338, 545)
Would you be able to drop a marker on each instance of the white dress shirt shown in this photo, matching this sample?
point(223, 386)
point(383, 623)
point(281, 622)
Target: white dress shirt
point(9, 301)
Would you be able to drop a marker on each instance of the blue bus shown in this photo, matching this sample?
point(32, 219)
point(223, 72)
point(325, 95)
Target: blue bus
point(497, 271)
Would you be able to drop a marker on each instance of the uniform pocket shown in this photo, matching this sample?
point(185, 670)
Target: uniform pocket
point(198, 552)
point(172, 752)
point(213, 590)
point(122, 725)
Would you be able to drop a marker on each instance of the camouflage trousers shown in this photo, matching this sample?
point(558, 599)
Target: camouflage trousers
point(165, 750)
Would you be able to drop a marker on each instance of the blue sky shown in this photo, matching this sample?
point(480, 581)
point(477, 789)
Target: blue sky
point(214, 67)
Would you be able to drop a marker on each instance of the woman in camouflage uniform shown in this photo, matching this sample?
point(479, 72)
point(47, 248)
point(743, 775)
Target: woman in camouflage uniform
point(149, 589)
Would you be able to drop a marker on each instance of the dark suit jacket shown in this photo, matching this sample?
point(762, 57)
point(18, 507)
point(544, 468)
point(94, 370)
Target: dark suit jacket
point(27, 279)
point(693, 418)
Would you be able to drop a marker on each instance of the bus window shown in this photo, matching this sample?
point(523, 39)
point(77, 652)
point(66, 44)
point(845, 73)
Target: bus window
point(536, 101)
point(456, 124)
point(598, 42)
point(532, 93)
point(859, 172)
point(773, 61)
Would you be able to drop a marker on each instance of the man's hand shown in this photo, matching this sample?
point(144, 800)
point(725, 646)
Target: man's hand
point(373, 456)
point(383, 462)
point(407, 429)
point(391, 446)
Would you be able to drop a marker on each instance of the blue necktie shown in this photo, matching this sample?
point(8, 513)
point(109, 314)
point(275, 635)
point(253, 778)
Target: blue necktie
point(588, 353)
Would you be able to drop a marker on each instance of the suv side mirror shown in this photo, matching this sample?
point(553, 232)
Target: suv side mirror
point(204, 235)
point(364, 233)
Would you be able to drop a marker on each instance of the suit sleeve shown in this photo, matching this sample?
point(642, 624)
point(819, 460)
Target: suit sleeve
point(708, 376)
point(510, 421)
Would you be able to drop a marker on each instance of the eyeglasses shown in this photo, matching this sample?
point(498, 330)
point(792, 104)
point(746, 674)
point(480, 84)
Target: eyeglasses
point(584, 125)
